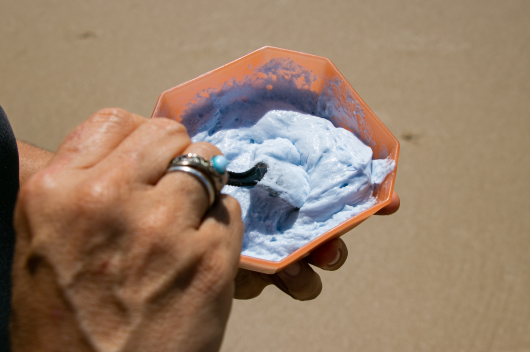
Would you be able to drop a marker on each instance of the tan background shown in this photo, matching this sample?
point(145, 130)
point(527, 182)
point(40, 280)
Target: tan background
point(451, 79)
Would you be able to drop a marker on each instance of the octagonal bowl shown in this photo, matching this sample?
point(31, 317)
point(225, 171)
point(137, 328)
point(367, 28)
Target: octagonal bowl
point(285, 75)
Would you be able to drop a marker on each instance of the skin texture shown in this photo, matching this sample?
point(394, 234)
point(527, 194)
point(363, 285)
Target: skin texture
point(31, 160)
point(299, 281)
point(114, 255)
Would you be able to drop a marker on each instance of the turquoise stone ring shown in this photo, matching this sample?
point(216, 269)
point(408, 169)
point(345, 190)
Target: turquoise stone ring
point(219, 162)
point(209, 172)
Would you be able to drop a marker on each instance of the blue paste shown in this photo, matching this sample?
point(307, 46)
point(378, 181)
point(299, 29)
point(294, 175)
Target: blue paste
point(318, 175)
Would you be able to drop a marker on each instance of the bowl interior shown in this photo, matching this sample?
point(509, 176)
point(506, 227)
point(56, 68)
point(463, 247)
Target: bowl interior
point(285, 74)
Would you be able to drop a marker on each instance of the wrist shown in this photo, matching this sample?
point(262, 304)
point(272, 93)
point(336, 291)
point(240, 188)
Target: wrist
point(31, 160)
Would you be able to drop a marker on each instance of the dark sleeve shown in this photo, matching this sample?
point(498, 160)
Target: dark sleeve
point(8, 195)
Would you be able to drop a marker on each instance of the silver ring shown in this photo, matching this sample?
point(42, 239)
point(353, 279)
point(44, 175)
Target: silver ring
point(206, 171)
point(201, 177)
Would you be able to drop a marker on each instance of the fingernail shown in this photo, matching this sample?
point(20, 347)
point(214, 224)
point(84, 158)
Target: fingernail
point(335, 260)
point(293, 269)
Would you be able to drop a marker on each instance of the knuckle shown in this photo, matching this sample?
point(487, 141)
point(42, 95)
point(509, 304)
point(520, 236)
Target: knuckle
point(110, 115)
point(42, 196)
point(113, 119)
point(39, 185)
point(168, 126)
point(94, 196)
point(205, 149)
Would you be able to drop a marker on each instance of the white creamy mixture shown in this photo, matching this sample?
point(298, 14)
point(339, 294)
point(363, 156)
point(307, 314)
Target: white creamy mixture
point(318, 176)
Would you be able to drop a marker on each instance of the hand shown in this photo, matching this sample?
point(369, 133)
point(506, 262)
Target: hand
point(113, 254)
point(299, 280)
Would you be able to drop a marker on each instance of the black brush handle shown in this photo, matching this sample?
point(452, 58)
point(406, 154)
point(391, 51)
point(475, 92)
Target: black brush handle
point(247, 178)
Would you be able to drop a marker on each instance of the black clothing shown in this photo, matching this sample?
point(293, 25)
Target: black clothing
point(8, 194)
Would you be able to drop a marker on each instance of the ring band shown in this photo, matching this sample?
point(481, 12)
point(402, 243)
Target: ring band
point(209, 172)
point(201, 177)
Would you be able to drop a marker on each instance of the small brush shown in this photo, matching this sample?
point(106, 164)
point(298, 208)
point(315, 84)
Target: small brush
point(247, 178)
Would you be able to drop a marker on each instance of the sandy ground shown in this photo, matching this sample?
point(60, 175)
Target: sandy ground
point(451, 79)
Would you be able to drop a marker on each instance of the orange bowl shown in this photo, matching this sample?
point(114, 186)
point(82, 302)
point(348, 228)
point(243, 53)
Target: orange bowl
point(319, 77)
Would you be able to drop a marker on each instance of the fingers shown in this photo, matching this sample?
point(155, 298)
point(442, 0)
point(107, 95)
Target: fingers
point(392, 207)
point(330, 256)
point(95, 138)
point(144, 155)
point(299, 281)
point(224, 218)
point(181, 185)
point(221, 231)
point(250, 284)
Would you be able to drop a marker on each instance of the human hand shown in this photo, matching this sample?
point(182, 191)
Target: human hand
point(299, 280)
point(113, 254)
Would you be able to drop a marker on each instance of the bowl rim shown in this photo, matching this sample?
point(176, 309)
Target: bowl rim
point(271, 267)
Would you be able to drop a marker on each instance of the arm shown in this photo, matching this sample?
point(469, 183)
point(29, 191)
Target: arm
point(31, 159)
